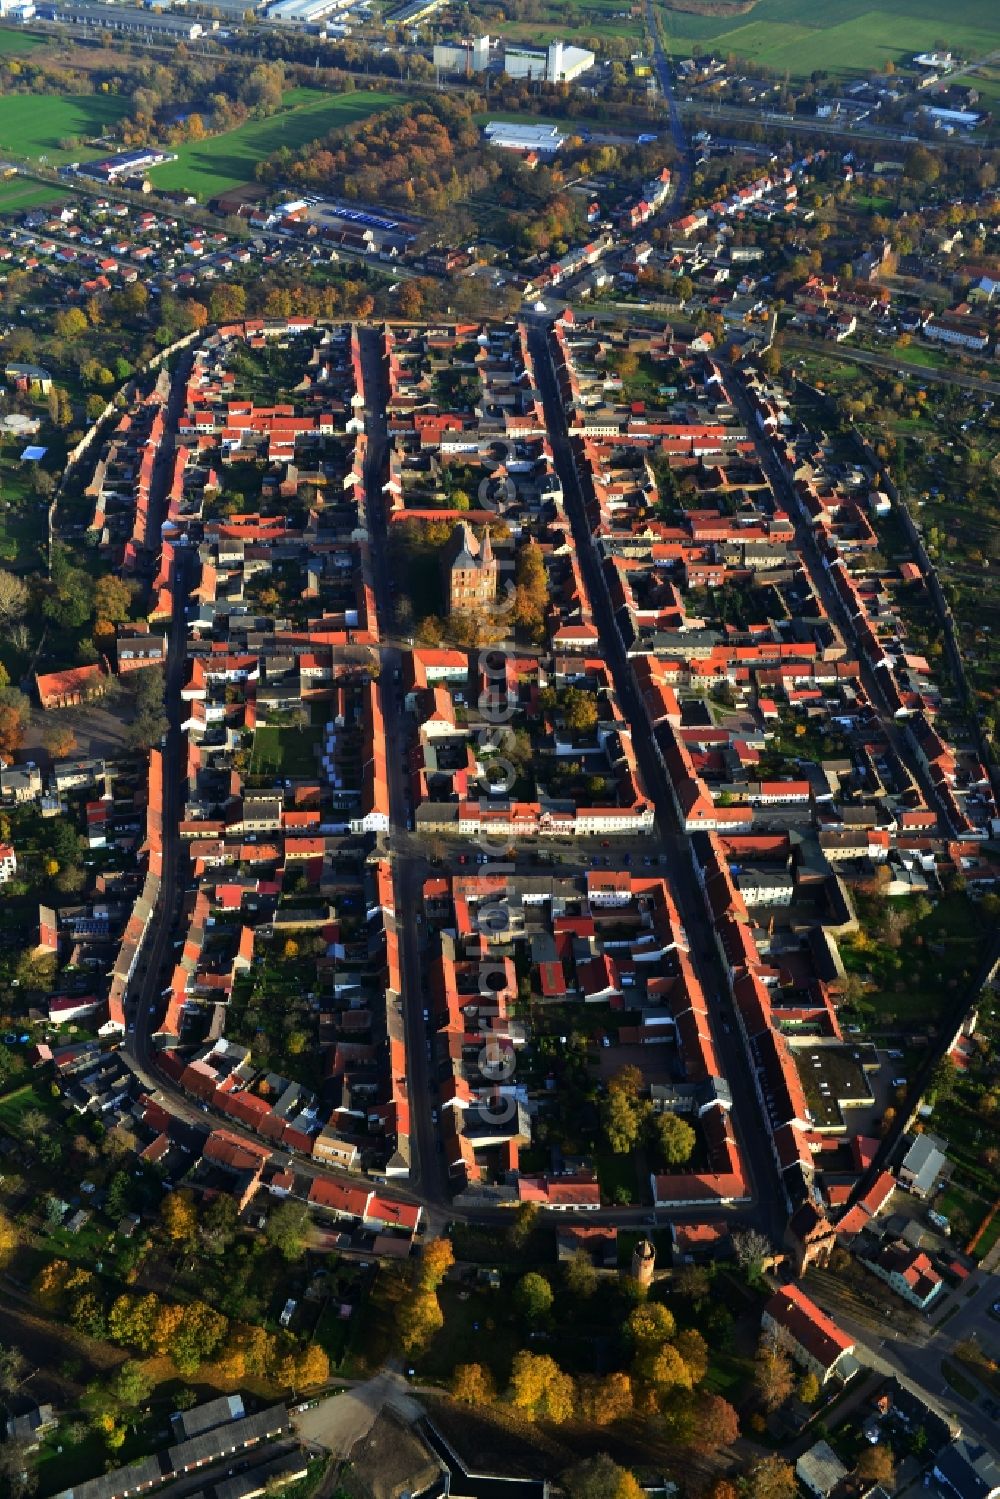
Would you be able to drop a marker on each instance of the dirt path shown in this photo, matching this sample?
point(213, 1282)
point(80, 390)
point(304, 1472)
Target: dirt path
point(340, 1422)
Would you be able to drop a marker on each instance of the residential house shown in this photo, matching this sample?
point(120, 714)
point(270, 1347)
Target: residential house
point(815, 1339)
point(922, 1165)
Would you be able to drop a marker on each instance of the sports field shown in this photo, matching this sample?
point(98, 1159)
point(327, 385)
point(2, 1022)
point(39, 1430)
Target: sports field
point(227, 161)
point(840, 36)
point(32, 125)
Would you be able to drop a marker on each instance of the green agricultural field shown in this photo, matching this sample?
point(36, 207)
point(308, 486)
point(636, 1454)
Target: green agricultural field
point(13, 43)
point(229, 160)
point(32, 125)
point(846, 36)
point(575, 23)
point(18, 194)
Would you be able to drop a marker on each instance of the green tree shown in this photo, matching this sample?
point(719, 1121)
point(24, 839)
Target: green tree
point(218, 1224)
point(580, 1275)
point(117, 1200)
point(131, 1385)
point(70, 602)
point(533, 1297)
point(17, 1471)
point(524, 1225)
point(288, 1229)
point(13, 1369)
point(675, 1138)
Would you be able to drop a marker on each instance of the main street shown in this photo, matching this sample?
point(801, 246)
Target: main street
point(769, 1197)
point(426, 1165)
point(144, 1001)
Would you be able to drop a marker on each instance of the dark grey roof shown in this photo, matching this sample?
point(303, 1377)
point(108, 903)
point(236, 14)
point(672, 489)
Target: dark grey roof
point(244, 1485)
point(201, 1418)
point(969, 1469)
point(144, 1474)
point(213, 1444)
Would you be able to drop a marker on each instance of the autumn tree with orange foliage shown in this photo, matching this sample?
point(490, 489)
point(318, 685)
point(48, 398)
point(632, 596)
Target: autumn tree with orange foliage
point(473, 1384)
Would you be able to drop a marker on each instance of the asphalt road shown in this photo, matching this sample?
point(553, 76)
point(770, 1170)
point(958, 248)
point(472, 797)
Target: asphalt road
point(427, 1176)
point(916, 1355)
point(682, 181)
point(144, 1003)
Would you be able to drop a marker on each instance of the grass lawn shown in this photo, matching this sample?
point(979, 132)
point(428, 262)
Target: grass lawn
point(953, 1200)
point(32, 125)
point(310, 1484)
point(728, 1375)
point(873, 202)
point(284, 751)
point(333, 1333)
point(473, 1320)
point(849, 37)
point(990, 1236)
point(614, 1171)
point(60, 1464)
point(226, 161)
point(13, 43)
point(18, 194)
point(23, 530)
point(13, 1106)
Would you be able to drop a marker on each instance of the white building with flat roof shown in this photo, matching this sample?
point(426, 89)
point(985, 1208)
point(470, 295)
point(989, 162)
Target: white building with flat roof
point(508, 136)
point(305, 12)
